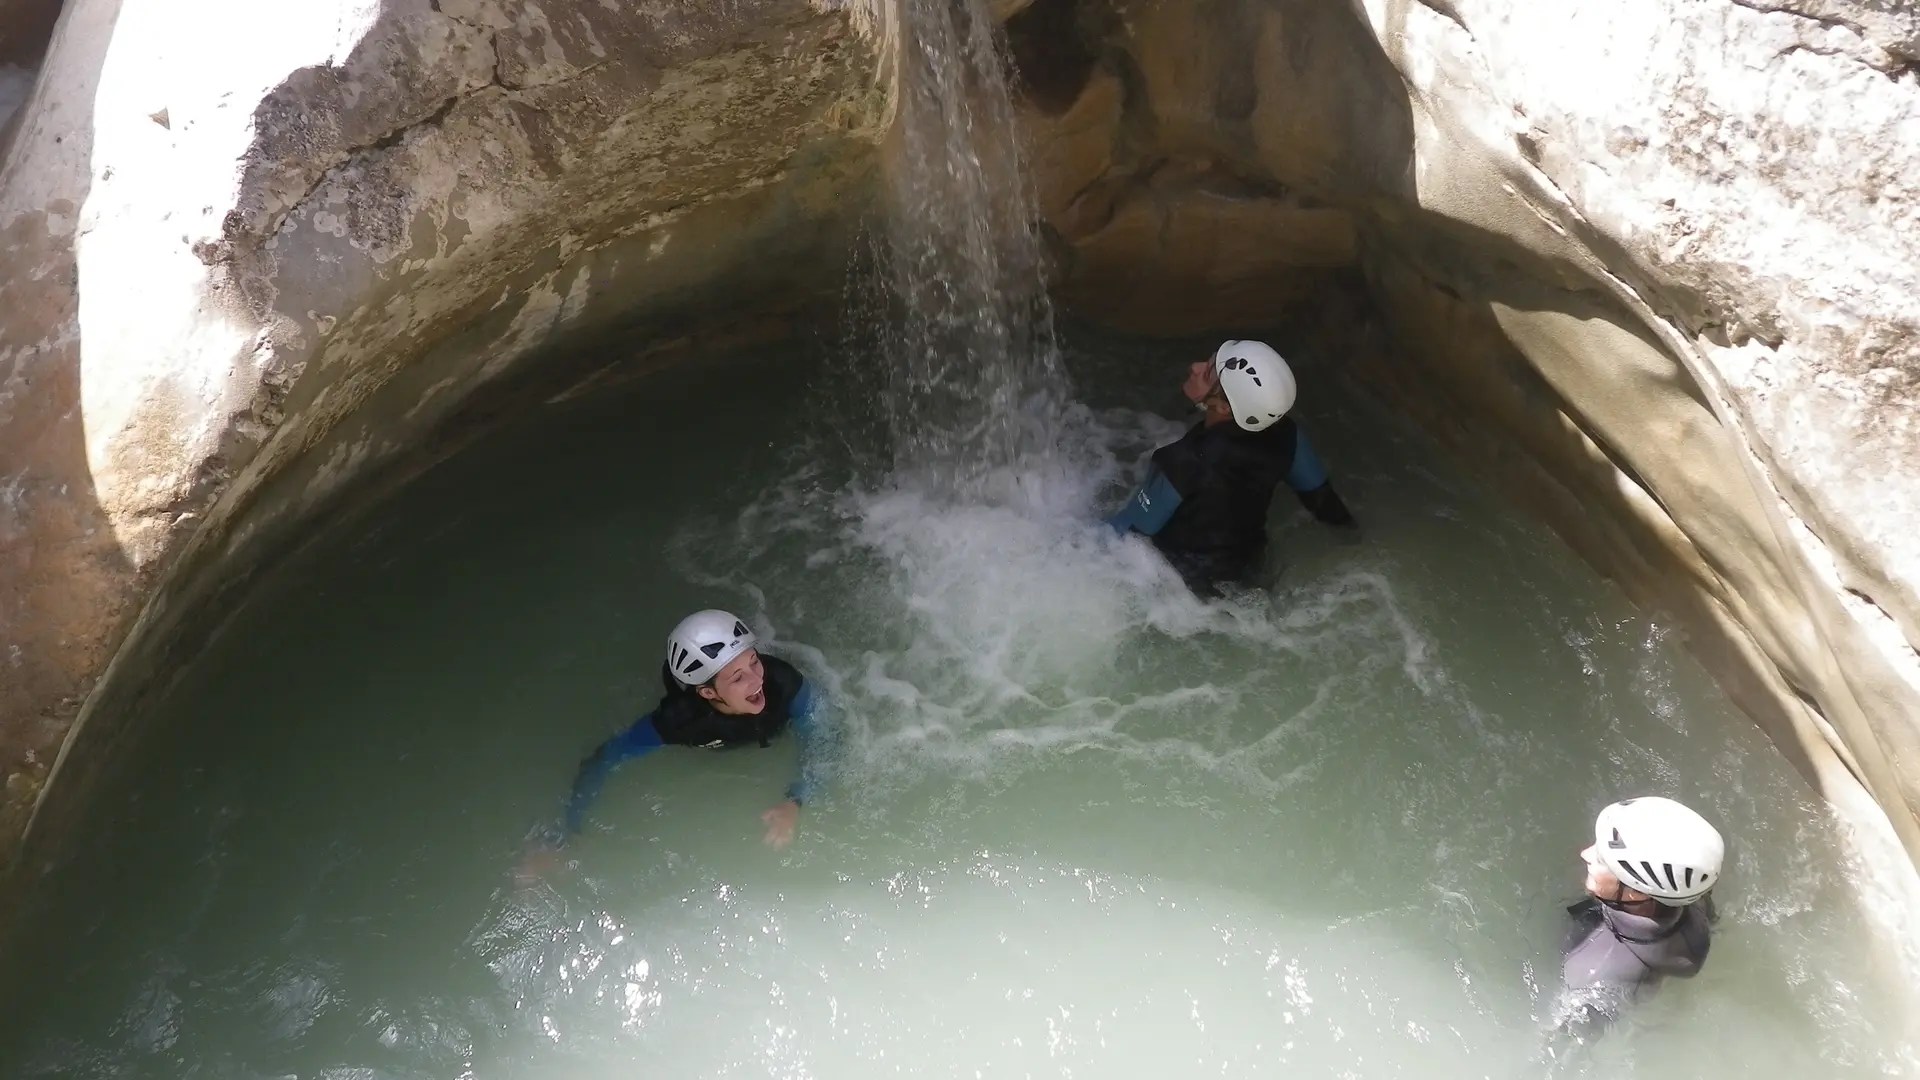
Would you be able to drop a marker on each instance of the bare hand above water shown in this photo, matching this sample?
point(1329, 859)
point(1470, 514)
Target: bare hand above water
point(781, 822)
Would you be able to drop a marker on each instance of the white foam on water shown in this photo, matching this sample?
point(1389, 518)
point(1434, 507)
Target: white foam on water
point(989, 963)
point(1000, 632)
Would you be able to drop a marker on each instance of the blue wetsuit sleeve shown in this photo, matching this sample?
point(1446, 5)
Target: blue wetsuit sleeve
point(637, 741)
point(1307, 472)
point(1150, 508)
point(803, 716)
point(1308, 479)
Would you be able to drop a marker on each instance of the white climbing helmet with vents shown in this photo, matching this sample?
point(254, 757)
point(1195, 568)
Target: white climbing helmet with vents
point(1659, 847)
point(1258, 383)
point(703, 643)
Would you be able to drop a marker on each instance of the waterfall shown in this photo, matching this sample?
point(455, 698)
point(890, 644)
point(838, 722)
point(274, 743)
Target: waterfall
point(963, 325)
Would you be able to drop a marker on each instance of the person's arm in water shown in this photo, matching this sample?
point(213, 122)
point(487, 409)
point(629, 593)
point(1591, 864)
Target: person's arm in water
point(637, 741)
point(1308, 479)
point(1150, 508)
point(803, 717)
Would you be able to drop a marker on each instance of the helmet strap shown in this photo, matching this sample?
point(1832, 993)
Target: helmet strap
point(1619, 902)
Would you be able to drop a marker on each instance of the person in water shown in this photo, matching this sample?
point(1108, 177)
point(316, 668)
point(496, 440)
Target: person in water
point(722, 693)
point(1205, 501)
point(1647, 914)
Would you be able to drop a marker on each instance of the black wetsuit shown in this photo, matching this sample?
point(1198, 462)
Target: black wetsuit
point(1225, 477)
point(1612, 958)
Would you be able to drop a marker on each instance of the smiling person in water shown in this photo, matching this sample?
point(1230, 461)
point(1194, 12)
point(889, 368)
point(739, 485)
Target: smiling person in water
point(722, 693)
point(1205, 501)
point(1647, 914)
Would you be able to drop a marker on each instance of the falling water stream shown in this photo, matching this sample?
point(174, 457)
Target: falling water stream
point(959, 315)
point(1078, 823)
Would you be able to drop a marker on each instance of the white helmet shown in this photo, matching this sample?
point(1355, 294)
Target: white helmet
point(1659, 847)
point(1258, 383)
point(703, 643)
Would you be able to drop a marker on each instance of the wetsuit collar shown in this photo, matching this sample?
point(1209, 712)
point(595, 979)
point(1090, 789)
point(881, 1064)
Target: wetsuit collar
point(1638, 929)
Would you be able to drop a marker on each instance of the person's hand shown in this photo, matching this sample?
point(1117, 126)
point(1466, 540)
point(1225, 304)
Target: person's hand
point(781, 822)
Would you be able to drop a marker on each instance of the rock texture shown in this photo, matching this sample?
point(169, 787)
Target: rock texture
point(25, 26)
point(1202, 175)
point(1649, 265)
point(241, 277)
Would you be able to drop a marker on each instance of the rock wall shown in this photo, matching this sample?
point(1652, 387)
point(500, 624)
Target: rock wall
point(249, 266)
point(1647, 265)
point(25, 26)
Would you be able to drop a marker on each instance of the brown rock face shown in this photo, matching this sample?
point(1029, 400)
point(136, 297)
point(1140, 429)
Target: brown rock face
point(25, 26)
point(1205, 259)
point(1072, 151)
point(63, 579)
point(1167, 196)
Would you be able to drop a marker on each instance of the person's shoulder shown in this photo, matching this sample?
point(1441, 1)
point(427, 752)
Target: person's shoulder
point(1280, 435)
point(1271, 446)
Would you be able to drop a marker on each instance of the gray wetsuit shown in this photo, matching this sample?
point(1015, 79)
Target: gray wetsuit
point(1612, 958)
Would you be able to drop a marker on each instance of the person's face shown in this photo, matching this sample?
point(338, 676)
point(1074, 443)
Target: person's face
point(1201, 383)
point(1602, 885)
point(741, 687)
